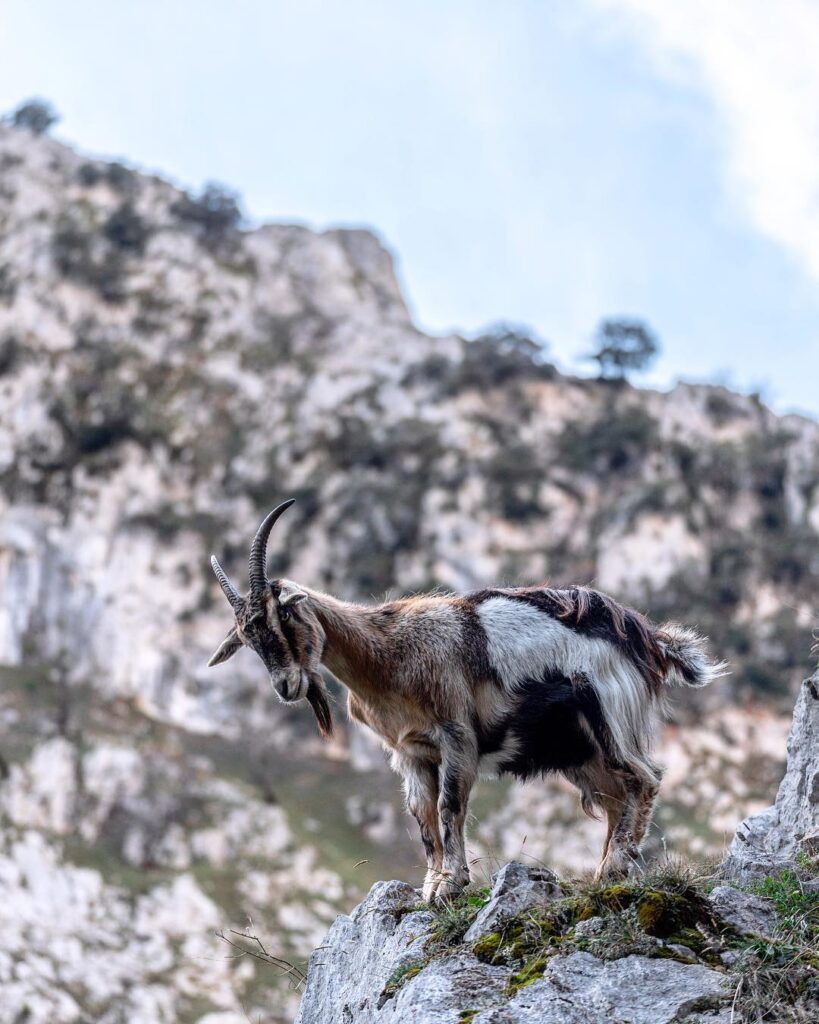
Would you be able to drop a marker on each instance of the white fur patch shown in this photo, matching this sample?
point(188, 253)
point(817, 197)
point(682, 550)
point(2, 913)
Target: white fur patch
point(489, 764)
point(525, 643)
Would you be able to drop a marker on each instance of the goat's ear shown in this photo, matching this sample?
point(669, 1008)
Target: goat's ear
point(291, 594)
point(226, 649)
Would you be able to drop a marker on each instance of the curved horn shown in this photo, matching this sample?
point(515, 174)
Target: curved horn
point(231, 593)
point(258, 549)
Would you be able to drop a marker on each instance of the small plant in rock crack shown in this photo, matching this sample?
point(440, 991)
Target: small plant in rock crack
point(452, 920)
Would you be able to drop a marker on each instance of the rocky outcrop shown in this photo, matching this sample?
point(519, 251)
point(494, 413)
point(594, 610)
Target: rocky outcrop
point(383, 964)
point(515, 890)
point(746, 913)
point(775, 838)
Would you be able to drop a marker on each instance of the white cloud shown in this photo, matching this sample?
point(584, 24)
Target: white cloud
point(757, 61)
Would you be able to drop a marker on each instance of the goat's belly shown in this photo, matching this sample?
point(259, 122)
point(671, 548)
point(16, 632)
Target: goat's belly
point(546, 731)
point(496, 763)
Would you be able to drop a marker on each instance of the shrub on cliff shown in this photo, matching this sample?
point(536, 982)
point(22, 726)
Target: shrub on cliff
point(624, 345)
point(215, 212)
point(35, 115)
point(617, 440)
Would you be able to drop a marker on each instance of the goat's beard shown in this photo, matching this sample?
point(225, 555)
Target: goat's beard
point(319, 702)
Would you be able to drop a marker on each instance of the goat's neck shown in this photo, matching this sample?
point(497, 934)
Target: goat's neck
point(354, 650)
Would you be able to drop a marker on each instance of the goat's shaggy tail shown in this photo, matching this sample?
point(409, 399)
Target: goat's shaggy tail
point(688, 662)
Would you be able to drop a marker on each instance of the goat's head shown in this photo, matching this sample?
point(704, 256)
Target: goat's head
point(274, 620)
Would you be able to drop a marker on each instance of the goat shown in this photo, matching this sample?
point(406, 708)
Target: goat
point(520, 680)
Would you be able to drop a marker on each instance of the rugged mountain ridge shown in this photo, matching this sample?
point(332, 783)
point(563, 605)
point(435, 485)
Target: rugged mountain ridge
point(165, 378)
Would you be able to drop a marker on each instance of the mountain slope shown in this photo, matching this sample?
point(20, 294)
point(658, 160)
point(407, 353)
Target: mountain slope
point(165, 378)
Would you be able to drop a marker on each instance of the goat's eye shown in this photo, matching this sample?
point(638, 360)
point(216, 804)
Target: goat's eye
point(284, 614)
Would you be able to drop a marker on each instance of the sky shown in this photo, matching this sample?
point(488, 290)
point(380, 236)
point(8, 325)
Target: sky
point(541, 163)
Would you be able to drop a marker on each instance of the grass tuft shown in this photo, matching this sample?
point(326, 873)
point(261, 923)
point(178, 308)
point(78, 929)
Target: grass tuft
point(452, 919)
point(779, 976)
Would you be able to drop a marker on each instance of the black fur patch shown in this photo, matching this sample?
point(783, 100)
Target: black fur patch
point(426, 839)
point(546, 723)
point(317, 699)
point(267, 645)
point(289, 637)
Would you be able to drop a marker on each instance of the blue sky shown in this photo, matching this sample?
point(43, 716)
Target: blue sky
point(543, 163)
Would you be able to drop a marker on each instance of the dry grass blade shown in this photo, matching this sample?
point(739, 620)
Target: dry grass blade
point(258, 951)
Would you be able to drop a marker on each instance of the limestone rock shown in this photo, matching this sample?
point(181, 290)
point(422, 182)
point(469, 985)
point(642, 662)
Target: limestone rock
point(349, 972)
point(580, 989)
point(516, 888)
point(153, 403)
point(772, 840)
point(439, 993)
point(748, 914)
point(378, 966)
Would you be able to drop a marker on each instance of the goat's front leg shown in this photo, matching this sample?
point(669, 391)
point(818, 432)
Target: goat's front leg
point(421, 790)
point(459, 769)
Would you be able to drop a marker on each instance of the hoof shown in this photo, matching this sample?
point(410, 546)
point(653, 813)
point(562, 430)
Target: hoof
point(450, 887)
point(430, 884)
point(620, 865)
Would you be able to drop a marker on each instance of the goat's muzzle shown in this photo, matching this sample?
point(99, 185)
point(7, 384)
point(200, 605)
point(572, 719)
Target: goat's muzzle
point(290, 685)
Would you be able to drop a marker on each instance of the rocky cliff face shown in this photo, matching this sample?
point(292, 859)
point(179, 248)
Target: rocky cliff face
point(781, 835)
point(165, 378)
point(669, 949)
point(666, 948)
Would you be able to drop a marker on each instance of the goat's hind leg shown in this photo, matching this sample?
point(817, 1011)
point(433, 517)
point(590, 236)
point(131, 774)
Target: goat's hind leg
point(610, 788)
point(628, 828)
point(646, 798)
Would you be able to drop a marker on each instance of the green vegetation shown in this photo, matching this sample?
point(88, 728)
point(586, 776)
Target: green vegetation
point(215, 213)
point(663, 913)
point(723, 407)
point(452, 920)
point(81, 255)
point(400, 977)
point(666, 914)
point(503, 355)
point(35, 115)
point(98, 254)
point(117, 176)
point(126, 230)
point(624, 345)
point(779, 976)
point(12, 354)
point(388, 470)
point(648, 915)
point(514, 476)
point(617, 441)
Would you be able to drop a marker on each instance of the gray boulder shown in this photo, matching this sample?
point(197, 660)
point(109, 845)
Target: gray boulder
point(442, 991)
point(746, 913)
point(375, 967)
point(516, 888)
point(349, 971)
point(772, 840)
point(580, 989)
